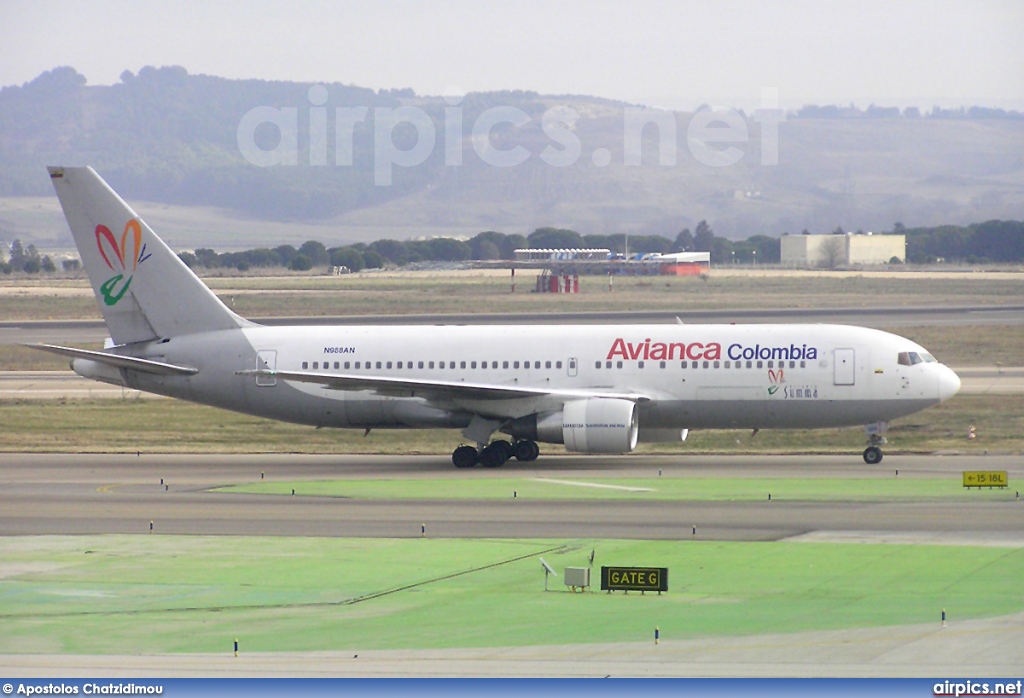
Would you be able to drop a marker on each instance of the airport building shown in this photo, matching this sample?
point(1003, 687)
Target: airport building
point(842, 250)
point(603, 261)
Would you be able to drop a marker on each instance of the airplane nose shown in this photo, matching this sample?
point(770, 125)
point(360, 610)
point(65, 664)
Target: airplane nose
point(949, 384)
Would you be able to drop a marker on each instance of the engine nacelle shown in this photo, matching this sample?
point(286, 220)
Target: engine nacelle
point(600, 425)
point(596, 425)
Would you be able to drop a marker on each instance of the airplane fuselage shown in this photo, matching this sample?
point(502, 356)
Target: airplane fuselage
point(696, 376)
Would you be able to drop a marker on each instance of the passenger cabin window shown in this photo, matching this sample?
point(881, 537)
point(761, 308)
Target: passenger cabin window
point(305, 364)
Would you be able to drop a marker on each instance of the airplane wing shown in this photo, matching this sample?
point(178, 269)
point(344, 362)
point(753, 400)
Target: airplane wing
point(412, 387)
point(119, 361)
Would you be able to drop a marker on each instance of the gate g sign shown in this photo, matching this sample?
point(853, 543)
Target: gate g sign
point(634, 579)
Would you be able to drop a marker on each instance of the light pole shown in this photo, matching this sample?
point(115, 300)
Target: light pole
point(755, 257)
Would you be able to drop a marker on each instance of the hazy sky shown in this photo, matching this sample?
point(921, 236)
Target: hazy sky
point(663, 53)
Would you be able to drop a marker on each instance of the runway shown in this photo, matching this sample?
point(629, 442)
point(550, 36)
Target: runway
point(78, 494)
point(83, 494)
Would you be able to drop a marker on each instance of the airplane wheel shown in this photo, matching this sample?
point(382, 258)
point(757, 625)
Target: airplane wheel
point(494, 455)
point(525, 450)
point(465, 457)
point(872, 455)
point(505, 447)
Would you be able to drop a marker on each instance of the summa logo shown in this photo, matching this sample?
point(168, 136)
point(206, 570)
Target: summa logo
point(777, 378)
point(123, 258)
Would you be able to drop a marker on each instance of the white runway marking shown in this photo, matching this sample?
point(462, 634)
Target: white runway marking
point(593, 484)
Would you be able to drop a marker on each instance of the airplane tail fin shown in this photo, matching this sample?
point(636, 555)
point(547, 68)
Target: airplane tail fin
point(144, 290)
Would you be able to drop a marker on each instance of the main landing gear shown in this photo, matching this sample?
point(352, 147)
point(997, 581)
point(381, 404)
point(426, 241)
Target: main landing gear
point(495, 454)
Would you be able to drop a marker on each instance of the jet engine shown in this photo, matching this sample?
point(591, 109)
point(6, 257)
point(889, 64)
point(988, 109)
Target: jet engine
point(596, 425)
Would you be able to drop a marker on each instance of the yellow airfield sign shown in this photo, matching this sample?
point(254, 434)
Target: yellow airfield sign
point(985, 478)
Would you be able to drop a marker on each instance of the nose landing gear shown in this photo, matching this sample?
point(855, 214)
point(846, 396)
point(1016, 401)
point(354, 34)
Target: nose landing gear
point(876, 439)
point(873, 454)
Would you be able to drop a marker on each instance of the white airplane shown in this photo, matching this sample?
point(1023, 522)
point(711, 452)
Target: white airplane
point(594, 388)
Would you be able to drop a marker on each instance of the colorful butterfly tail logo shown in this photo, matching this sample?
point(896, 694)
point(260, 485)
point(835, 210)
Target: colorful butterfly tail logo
point(777, 378)
point(123, 258)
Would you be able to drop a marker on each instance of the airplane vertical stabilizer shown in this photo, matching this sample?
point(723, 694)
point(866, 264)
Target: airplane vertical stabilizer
point(144, 290)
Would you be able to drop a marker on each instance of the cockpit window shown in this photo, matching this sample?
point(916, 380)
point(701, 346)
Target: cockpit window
point(911, 358)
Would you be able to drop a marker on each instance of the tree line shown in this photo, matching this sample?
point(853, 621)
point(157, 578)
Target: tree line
point(979, 243)
point(28, 260)
point(488, 245)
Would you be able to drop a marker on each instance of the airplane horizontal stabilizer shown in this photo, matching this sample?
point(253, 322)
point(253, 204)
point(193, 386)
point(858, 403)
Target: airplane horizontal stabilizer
point(118, 360)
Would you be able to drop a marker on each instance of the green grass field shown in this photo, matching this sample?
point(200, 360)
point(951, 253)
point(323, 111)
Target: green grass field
point(155, 594)
point(873, 488)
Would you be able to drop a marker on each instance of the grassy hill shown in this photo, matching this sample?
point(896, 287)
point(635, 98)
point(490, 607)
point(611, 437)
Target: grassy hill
point(171, 139)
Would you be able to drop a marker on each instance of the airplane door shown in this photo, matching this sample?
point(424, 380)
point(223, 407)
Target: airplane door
point(844, 366)
point(266, 359)
point(573, 366)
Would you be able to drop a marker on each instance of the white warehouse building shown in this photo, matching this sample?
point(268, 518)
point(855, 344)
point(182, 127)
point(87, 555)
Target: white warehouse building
point(842, 250)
